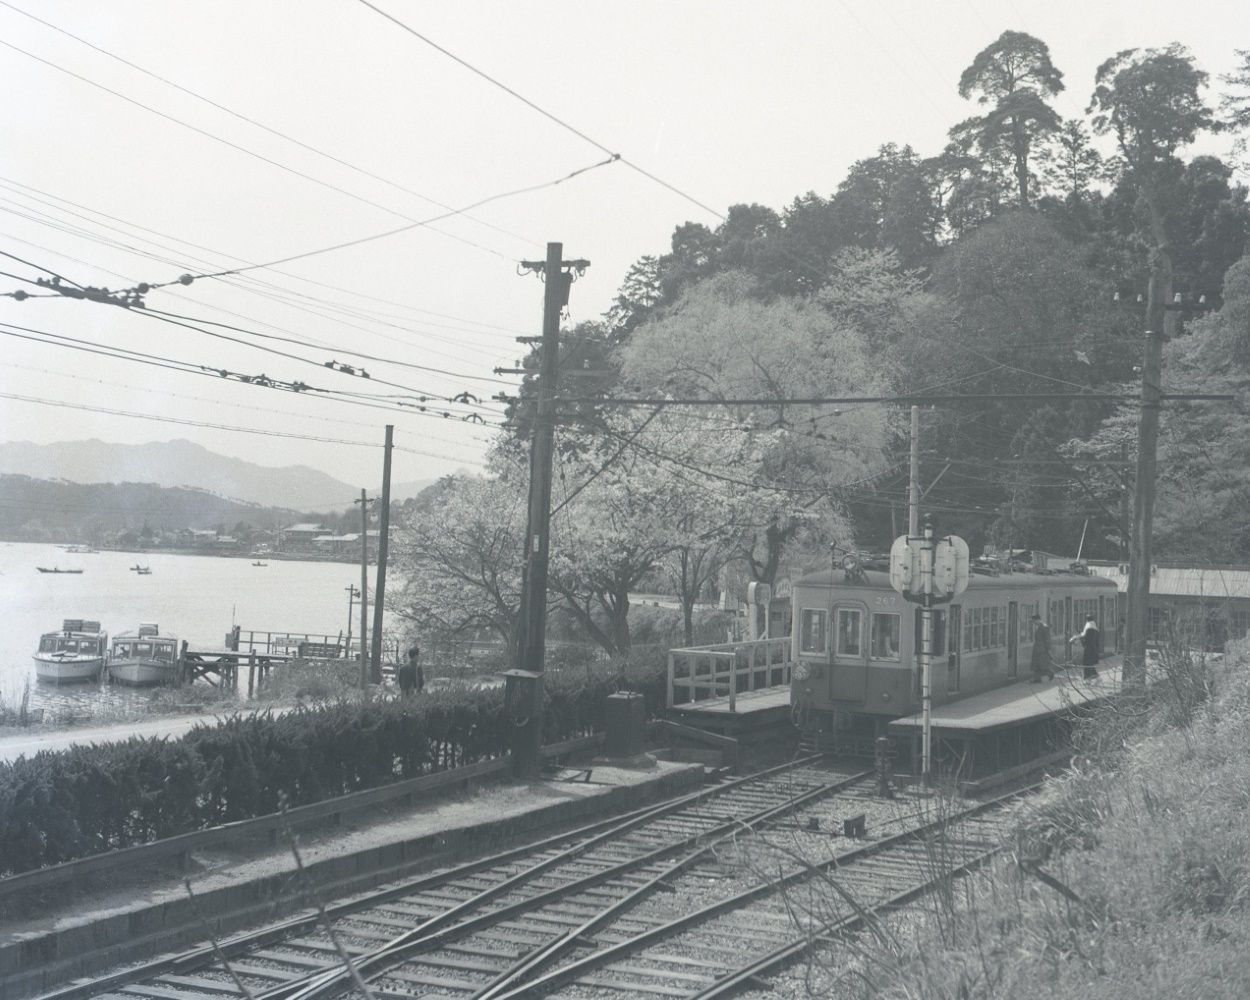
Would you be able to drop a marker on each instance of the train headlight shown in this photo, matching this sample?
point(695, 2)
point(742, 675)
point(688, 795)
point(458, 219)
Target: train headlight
point(801, 671)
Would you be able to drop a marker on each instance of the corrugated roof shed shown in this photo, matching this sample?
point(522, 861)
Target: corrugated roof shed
point(1171, 581)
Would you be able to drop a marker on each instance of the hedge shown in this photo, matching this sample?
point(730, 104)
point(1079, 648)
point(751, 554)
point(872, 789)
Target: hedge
point(62, 805)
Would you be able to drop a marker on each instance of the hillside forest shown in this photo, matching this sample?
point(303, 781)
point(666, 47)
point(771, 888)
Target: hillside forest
point(1012, 262)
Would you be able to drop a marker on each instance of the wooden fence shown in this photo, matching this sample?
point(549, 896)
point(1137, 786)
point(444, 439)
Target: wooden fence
point(727, 669)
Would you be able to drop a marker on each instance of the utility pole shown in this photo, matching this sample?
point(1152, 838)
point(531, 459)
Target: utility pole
point(1124, 522)
point(913, 490)
point(1137, 619)
point(379, 592)
point(524, 694)
point(352, 594)
point(364, 590)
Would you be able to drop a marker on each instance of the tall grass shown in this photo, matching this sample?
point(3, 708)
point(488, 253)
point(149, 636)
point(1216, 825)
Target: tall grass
point(1129, 877)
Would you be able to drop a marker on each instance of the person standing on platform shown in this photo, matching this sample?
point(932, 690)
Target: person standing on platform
point(1091, 640)
point(1041, 661)
point(409, 673)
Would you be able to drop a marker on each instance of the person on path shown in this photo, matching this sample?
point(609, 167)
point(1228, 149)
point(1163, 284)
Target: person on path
point(1091, 640)
point(1041, 661)
point(410, 678)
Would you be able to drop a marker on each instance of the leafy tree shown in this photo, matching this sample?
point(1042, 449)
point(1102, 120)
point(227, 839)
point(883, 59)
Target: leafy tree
point(459, 551)
point(637, 297)
point(721, 342)
point(1015, 75)
point(1070, 165)
point(1236, 106)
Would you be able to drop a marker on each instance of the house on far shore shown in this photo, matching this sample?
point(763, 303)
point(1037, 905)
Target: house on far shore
point(1210, 603)
point(299, 537)
point(348, 545)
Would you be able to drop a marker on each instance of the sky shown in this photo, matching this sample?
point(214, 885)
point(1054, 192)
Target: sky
point(726, 101)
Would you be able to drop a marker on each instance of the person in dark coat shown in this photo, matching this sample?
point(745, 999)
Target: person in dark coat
point(1041, 661)
point(411, 676)
point(1091, 643)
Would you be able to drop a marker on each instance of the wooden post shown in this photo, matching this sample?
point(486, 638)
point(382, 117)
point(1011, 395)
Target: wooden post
point(671, 675)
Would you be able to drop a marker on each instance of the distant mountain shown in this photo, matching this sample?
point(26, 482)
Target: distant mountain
point(43, 510)
point(184, 463)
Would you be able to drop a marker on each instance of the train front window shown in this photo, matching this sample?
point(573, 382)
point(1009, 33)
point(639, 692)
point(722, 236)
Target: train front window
point(850, 642)
point(812, 633)
point(886, 629)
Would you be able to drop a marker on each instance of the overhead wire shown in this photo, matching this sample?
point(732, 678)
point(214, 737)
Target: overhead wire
point(414, 223)
point(424, 394)
point(152, 390)
point(255, 123)
point(211, 371)
point(66, 404)
point(11, 183)
point(541, 110)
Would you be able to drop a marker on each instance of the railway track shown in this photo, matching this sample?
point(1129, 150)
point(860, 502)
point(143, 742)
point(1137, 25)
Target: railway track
point(730, 944)
point(475, 922)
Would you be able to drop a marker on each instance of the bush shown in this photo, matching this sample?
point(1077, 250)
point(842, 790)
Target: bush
point(57, 806)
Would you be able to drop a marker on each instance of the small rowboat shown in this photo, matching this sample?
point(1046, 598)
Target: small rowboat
point(55, 569)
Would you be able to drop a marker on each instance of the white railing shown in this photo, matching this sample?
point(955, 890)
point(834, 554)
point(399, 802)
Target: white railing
point(701, 673)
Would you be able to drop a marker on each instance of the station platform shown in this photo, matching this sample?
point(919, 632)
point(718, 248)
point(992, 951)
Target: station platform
point(1010, 725)
point(751, 711)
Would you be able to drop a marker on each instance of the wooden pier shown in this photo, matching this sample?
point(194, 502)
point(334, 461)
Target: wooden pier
point(220, 667)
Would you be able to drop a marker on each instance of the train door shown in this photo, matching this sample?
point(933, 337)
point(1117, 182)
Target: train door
point(1013, 638)
point(953, 631)
point(1106, 623)
point(850, 652)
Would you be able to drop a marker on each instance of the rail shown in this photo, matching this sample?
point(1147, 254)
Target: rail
point(270, 824)
point(316, 645)
point(701, 673)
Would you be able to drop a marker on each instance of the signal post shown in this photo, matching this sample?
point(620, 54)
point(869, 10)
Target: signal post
point(928, 570)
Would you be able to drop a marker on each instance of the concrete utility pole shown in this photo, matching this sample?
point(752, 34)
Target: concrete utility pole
point(1137, 618)
point(379, 592)
point(364, 590)
point(913, 490)
point(525, 685)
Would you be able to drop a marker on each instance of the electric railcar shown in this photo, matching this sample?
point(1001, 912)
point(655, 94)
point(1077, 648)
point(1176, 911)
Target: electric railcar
point(856, 642)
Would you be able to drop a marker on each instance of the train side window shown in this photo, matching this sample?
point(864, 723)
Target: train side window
point(886, 629)
point(812, 633)
point(850, 641)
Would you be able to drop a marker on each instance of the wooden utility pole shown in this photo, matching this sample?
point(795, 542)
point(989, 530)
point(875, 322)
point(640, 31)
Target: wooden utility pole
point(364, 590)
point(1137, 618)
point(379, 592)
point(525, 691)
point(913, 489)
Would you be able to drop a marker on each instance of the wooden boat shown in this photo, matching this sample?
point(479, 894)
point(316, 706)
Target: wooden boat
point(141, 570)
point(260, 564)
point(144, 657)
point(55, 569)
point(76, 653)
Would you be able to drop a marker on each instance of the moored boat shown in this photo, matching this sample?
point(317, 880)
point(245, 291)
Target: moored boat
point(56, 569)
point(76, 653)
point(144, 657)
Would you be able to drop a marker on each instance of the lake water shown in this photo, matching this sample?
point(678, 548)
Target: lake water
point(196, 598)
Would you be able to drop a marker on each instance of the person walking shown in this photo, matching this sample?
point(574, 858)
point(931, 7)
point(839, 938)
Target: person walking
point(1041, 661)
point(1091, 641)
point(410, 673)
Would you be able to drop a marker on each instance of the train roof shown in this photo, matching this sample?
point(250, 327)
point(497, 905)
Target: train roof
point(880, 580)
